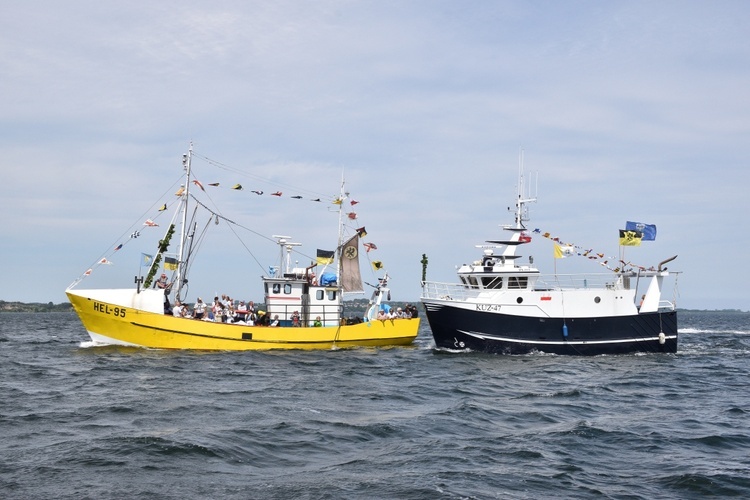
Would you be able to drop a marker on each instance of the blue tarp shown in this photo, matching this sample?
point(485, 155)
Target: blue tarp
point(327, 279)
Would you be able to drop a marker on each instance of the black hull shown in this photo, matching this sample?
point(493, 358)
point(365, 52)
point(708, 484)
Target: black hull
point(460, 329)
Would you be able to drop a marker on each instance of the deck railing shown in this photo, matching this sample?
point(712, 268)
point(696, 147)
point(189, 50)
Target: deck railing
point(458, 291)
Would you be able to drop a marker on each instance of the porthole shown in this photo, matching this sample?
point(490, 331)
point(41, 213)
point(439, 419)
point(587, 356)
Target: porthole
point(519, 300)
point(597, 300)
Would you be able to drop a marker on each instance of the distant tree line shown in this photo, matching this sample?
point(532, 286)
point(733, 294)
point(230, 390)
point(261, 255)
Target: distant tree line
point(34, 307)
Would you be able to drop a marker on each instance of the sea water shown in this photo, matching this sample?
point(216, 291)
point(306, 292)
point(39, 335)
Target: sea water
point(78, 421)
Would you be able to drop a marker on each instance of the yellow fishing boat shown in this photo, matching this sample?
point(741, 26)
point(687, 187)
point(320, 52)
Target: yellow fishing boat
point(304, 311)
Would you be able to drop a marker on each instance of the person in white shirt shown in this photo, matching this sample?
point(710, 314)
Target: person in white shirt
point(200, 309)
point(178, 311)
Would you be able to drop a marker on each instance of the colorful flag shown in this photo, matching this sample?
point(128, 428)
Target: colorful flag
point(369, 246)
point(325, 257)
point(214, 184)
point(238, 187)
point(150, 223)
point(146, 259)
point(87, 273)
point(562, 251)
point(648, 230)
point(277, 193)
point(197, 183)
point(135, 234)
point(105, 261)
point(524, 237)
point(630, 238)
point(352, 215)
point(338, 201)
point(170, 263)
point(353, 202)
point(118, 247)
point(163, 208)
point(377, 265)
point(257, 192)
point(351, 280)
point(361, 232)
point(180, 191)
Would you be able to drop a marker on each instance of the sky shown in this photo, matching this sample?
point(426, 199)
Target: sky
point(619, 110)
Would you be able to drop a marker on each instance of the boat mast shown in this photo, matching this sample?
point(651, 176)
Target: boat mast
point(186, 162)
point(339, 247)
point(521, 211)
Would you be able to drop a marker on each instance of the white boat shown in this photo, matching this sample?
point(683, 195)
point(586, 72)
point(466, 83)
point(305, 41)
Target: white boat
point(503, 306)
point(309, 311)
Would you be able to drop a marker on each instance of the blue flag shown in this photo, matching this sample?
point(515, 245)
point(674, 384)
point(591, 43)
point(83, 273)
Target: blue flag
point(648, 230)
point(146, 259)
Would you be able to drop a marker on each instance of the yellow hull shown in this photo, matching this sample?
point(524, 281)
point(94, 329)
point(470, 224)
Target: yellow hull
point(112, 323)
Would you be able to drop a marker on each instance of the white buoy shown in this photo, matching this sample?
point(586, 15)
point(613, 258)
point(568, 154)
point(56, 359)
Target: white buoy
point(662, 338)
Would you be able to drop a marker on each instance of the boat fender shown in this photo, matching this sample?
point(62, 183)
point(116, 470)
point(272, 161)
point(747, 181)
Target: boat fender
point(565, 331)
point(662, 338)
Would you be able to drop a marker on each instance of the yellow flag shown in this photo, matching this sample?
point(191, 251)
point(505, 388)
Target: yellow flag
point(630, 238)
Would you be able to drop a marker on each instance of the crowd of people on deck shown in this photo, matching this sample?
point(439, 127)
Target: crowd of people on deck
point(228, 310)
point(409, 311)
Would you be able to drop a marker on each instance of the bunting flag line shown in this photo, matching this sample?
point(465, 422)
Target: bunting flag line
point(590, 254)
point(648, 230)
point(325, 257)
point(630, 238)
point(377, 265)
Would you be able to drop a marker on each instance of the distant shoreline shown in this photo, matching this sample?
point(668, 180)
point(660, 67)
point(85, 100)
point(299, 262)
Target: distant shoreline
point(15, 306)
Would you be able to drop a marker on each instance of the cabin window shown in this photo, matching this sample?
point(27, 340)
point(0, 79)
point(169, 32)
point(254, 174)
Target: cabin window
point(471, 281)
point(332, 295)
point(276, 288)
point(518, 282)
point(597, 300)
point(319, 294)
point(493, 283)
point(287, 288)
